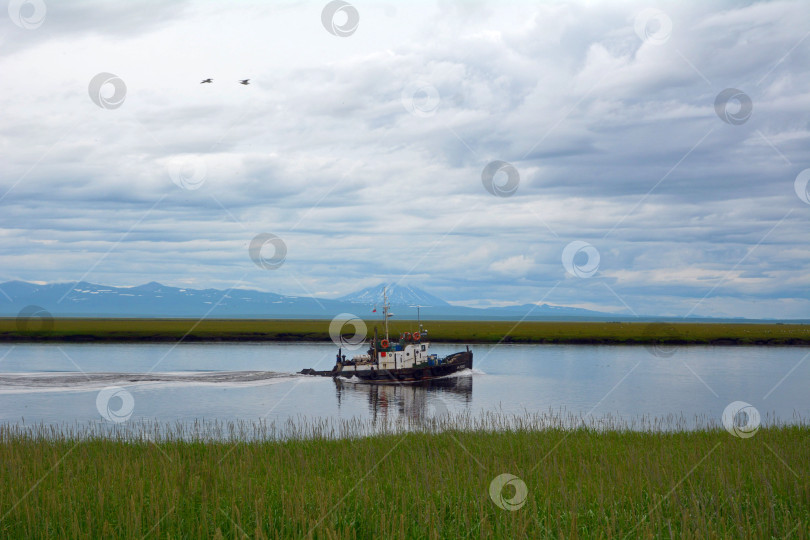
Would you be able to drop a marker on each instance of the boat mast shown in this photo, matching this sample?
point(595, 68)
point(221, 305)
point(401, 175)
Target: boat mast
point(385, 311)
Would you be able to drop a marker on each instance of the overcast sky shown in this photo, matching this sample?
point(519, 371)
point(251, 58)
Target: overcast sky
point(626, 177)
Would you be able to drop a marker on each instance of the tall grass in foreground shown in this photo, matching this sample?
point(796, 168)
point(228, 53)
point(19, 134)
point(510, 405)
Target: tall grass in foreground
point(428, 479)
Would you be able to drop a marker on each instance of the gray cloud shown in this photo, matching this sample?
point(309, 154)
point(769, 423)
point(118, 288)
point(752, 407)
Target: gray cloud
point(617, 143)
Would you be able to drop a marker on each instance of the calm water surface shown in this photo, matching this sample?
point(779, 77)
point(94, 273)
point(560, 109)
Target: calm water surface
point(254, 381)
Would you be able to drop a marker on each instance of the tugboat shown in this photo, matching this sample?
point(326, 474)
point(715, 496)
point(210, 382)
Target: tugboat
point(397, 360)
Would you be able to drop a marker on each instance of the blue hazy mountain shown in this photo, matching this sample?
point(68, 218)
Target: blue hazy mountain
point(153, 299)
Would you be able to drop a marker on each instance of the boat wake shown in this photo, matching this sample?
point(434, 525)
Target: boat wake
point(464, 373)
point(73, 381)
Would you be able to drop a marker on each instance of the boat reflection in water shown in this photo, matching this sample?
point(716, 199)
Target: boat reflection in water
point(415, 402)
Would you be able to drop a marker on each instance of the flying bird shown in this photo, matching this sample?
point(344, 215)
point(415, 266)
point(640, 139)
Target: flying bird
point(244, 81)
point(207, 81)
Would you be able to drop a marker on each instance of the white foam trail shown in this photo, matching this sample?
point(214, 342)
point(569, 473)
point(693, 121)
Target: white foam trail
point(16, 383)
point(464, 373)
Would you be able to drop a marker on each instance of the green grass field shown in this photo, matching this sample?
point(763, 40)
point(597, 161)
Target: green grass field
point(82, 329)
point(580, 483)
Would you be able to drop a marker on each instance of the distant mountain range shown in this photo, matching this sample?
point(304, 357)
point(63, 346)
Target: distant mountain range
point(153, 299)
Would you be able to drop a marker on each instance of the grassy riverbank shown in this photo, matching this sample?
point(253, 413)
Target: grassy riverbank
point(86, 329)
point(580, 484)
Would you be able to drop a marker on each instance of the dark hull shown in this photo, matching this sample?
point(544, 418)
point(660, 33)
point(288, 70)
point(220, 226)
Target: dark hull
point(451, 364)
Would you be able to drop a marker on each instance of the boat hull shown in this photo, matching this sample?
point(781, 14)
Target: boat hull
point(451, 364)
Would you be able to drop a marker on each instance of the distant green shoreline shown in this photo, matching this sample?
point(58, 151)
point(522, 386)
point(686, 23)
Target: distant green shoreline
point(105, 330)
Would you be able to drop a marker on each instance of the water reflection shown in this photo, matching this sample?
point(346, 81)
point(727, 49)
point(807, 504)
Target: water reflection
point(417, 402)
point(59, 384)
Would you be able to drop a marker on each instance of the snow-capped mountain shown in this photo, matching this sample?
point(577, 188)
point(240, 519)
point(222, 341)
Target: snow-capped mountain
point(398, 295)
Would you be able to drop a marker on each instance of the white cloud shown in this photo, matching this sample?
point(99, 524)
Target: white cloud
point(518, 265)
point(617, 144)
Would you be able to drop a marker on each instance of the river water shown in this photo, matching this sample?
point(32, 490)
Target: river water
point(181, 384)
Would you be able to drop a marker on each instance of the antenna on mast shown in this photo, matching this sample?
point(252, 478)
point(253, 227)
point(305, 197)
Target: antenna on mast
point(386, 312)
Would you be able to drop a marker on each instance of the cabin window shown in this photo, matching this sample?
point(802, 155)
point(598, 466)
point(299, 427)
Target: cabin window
point(423, 347)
